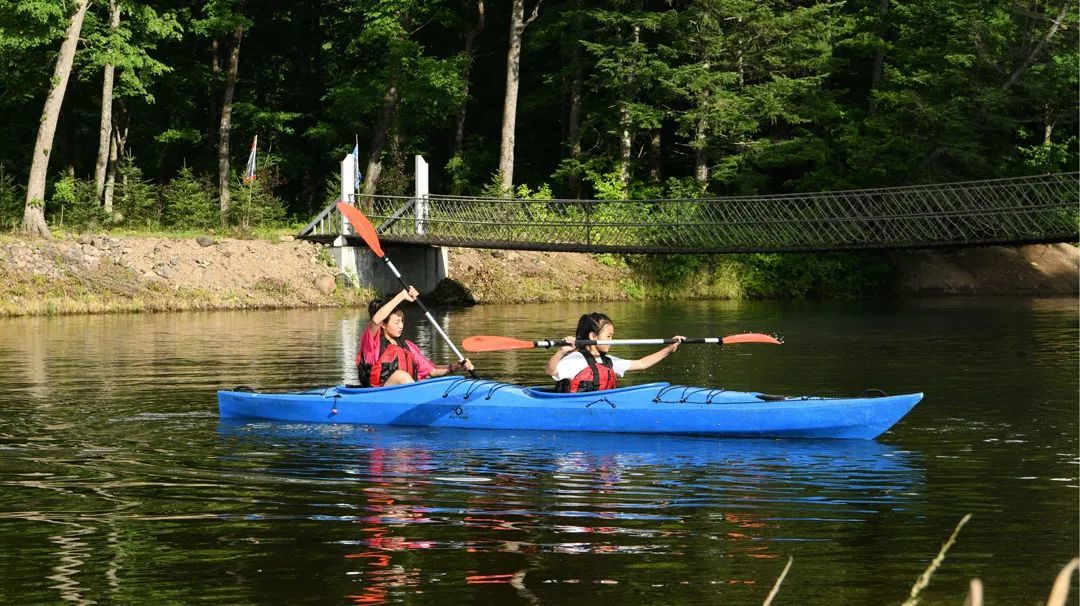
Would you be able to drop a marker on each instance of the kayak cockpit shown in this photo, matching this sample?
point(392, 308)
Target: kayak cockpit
point(549, 392)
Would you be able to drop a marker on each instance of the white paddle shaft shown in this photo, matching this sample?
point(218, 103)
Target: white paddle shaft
point(585, 342)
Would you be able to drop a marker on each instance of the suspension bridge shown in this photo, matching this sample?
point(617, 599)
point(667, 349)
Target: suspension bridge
point(1021, 210)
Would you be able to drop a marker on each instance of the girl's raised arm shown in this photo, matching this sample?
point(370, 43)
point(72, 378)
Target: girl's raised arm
point(384, 312)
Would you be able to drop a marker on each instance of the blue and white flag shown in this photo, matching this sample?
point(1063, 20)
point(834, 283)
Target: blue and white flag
point(356, 167)
point(249, 170)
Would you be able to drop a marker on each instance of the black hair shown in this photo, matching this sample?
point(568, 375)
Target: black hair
point(593, 322)
point(373, 308)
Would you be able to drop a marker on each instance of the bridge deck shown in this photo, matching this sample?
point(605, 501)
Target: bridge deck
point(1043, 208)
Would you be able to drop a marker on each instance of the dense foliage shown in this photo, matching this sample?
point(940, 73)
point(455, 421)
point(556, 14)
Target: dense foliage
point(618, 98)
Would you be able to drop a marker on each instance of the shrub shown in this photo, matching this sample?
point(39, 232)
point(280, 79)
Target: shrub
point(188, 203)
point(670, 270)
point(11, 200)
point(74, 204)
point(815, 275)
point(254, 205)
point(135, 200)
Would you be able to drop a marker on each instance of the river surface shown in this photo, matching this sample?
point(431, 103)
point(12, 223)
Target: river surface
point(118, 484)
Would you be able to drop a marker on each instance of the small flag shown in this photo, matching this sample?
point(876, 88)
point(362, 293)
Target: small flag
point(249, 170)
point(356, 167)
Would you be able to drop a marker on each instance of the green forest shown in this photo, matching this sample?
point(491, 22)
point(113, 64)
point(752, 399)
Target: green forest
point(141, 113)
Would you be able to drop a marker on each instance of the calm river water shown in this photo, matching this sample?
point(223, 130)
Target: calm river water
point(118, 484)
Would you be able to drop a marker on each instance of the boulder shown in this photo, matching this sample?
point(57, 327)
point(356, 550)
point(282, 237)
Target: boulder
point(165, 272)
point(450, 293)
point(325, 284)
point(72, 256)
point(343, 280)
point(205, 241)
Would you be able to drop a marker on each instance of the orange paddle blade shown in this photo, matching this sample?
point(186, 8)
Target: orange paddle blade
point(363, 227)
point(488, 343)
point(751, 337)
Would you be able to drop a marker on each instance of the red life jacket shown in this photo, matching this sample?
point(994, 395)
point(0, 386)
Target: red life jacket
point(594, 377)
point(391, 358)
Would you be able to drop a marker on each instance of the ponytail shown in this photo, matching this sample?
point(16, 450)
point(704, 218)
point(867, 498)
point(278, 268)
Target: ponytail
point(373, 307)
point(591, 323)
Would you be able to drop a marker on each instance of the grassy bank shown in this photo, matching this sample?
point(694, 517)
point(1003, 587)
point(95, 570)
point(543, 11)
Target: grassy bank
point(529, 277)
point(763, 276)
point(114, 289)
point(167, 272)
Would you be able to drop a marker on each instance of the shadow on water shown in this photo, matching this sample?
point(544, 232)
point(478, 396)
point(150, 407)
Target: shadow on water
point(845, 460)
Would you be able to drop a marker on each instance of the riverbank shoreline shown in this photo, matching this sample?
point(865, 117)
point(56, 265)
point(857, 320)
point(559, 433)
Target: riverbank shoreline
point(112, 273)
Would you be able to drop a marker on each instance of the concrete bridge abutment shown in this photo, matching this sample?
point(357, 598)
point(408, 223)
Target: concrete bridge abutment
point(422, 266)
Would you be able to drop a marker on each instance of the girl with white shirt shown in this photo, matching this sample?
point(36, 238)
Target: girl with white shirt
point(590, 368)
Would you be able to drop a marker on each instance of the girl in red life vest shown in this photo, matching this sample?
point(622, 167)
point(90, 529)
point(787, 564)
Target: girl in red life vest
point(387, 359)
point(590, 368)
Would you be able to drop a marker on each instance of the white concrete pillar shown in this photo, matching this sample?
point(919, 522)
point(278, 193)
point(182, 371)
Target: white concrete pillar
point(421, 206)
point(348, 188)
point(345, 256)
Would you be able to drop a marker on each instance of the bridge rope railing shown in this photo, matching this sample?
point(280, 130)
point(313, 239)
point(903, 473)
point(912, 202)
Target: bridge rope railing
point(1043, 208)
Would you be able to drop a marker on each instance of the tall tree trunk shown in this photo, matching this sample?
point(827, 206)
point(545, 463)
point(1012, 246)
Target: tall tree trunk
point(116, 149)
point(378, 137)
point(701, 163)
point(574, 120)
point(110, 175)
point(701, 143)
point(625, 142)
point(213, 116)
point(655, 156)
point(626, 139)
point(879, 57)
point(518, 23)
point(33, 222)
point(470, 50)
point(105, 128)
point(226, 123)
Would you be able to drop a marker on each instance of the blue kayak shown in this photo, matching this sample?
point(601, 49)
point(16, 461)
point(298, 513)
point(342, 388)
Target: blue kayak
point(653, 408)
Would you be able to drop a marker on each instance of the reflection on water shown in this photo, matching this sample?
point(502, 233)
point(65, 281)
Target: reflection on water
point(118, 484)
point(568, 494)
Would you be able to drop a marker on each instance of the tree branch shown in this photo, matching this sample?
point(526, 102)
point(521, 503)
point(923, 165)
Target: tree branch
point(534, 15)
point(1038, 48)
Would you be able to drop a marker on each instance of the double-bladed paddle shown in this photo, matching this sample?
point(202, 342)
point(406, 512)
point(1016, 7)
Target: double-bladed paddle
point(366, 231)
point(491, 343)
